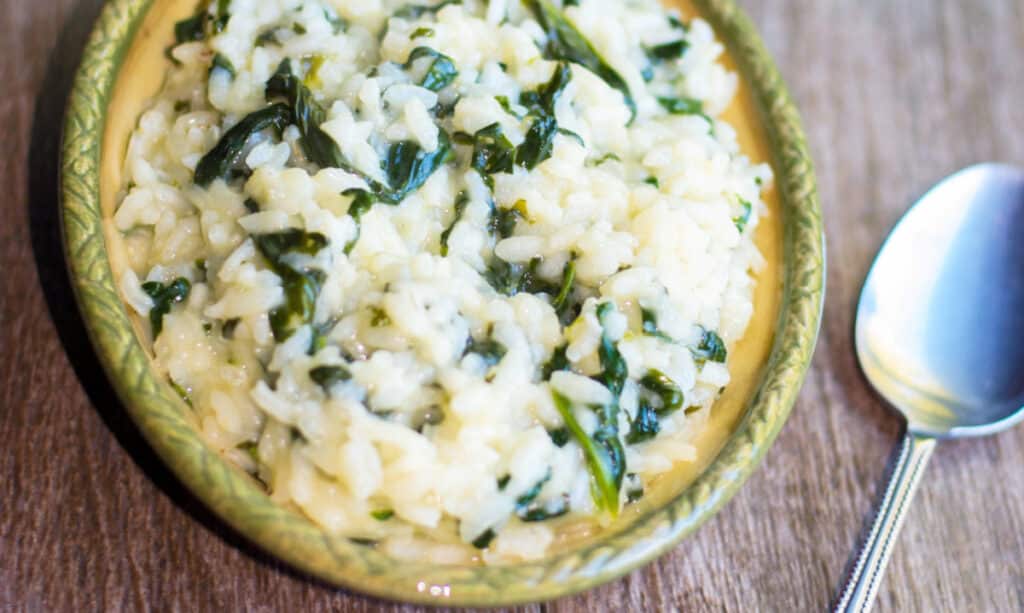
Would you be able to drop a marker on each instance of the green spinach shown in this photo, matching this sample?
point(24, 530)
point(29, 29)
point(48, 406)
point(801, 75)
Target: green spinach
point(558, 362)
point(441, 72)
point(711, 348)
point(614, 371)
point(529, 509)
point(650, 325)
point(489, 350)
point(415, 11)
point(301, 286)
point(603, 451)
point(307, 115)
point(565, 42)
point(742, 221)
point(461, 202)
point(222, 63)
point(561, 301)
point(328, 376)
point(226, 159)
point(667, 51)
point(484, 540)
point(164, 297)
point(407, 167)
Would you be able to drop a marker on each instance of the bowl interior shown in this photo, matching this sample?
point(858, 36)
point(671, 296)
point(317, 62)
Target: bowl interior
point(767, 365)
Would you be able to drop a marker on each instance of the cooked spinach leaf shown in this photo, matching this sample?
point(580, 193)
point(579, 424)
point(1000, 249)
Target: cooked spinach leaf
point(644, 426)
point(221, 18)
point(489, 350)
point(383, 514)
point(415, 11)
point(686, 106)
point(407, 167)
point(307, 115)
point(742, 221)
point(441, 72)
point(181, 392)
point(657, 386)
point(312, 65)
point(461, 202)
point(506, 105)
point(362, 201)
point(614, 371)
point(539, 142)
point(327, 376)
point(492, 153)
point(203, 24)
point(677, 23)
point(191, 29)
point(268, 37)
point(301, 287)
point(603, 451)
point(558, 362)
point(320, 332)
point(338, 25)
point(544, 100)
point(503, 221)
point(275, 246)
point(251, 449)
point(545, 510)
point(650, 325)
point(559, 436)
point(362, 542)
point(529, 496)
point(484, 540)
point(380, 318)
point(301, 290)
point(164, 297)
point(561, 301)
point(667, 51)
point(227, 156)
point(565, 42)
point(682, 105)
point(421, 33)
point(507, 278)
point(604, 159)
point(510, 279)
point(634, 488)
point(529, 509)
point(711, 348)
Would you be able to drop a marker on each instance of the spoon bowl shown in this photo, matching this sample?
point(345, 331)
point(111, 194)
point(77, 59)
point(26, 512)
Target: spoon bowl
point(940, 325)
point(940, 335)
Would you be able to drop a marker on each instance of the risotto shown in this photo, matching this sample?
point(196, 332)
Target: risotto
point(444, 277)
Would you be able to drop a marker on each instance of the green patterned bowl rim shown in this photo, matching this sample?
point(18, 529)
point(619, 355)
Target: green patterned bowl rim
point(235, 498)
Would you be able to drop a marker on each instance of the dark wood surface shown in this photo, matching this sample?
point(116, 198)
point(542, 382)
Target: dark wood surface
point(894, 96)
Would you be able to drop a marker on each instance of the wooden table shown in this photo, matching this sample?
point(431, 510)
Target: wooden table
point(894, 94)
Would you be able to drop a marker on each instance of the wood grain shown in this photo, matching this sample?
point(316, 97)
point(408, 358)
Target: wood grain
point(894, 96)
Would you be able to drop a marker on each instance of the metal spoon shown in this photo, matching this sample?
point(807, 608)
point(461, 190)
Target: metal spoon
point(940, 334)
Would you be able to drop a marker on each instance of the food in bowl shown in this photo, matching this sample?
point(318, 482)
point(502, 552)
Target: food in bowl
point(444, 277)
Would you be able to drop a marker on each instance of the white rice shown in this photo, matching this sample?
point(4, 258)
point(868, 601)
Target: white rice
point(417, 444)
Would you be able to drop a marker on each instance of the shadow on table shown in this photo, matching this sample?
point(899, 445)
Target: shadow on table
point(47, 247)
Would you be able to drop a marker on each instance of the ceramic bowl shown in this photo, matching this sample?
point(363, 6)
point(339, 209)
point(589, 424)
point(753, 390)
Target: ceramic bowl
point(123, 66)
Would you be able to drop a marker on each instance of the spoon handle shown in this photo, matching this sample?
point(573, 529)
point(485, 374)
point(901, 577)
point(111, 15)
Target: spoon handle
point(859, 593)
